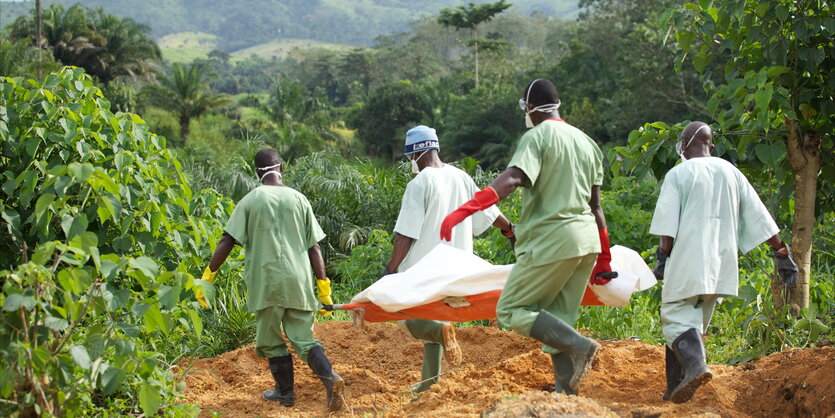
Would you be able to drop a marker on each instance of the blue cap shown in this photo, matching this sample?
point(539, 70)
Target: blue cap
point(421, 138)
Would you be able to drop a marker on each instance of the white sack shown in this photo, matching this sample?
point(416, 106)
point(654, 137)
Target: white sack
point(447, 271)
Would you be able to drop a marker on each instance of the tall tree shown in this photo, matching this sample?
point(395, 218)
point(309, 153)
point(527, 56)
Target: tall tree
point(470, 17)
point(185, 93)
point(390, 109)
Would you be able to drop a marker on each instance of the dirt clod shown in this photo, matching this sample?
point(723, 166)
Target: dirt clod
point(502, 374)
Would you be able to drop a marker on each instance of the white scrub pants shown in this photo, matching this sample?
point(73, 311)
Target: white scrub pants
point(681, 315)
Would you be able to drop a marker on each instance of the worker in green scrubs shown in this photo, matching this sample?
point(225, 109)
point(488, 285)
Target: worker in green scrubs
point(561, 234)
point(279, 232)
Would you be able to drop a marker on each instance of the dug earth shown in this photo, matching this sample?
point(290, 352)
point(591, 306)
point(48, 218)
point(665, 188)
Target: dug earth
point(505, 375)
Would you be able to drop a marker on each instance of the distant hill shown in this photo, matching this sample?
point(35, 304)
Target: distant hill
point(241, 24)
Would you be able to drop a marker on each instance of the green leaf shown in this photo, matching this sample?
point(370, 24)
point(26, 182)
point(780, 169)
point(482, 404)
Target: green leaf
point(15, 300)
point(74, 226)
point(55, 324)
point(762, 98)
point(80, 172)
point(111, 379)
point(149, 399)
point(80, 356)
point(146, 265)
point(169, 296)
point(155, 320)
point(196, 322)
point(43, 204)
point(771, 154)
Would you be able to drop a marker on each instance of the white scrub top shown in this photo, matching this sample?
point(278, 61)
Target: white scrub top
point(432, 195)
point(711, 211)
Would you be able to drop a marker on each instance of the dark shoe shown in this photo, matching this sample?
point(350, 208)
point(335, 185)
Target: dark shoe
point(334, 385)
point(691, 355)
point(282, 371)
point(554, 332)
point(563, 370)
point(674, 372)
point(431, 369)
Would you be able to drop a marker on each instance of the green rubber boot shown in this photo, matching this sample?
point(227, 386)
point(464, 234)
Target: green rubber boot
point(431, 370)
point(442, 333)
point(581, 351)
point(563, 370)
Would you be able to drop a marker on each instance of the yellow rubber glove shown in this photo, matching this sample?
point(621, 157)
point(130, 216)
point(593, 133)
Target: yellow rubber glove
point(209, 276)
point(324, 287)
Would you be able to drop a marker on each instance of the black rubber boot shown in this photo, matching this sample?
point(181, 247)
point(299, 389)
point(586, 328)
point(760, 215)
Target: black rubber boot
point(554, 332)
point(674, 372)
point(282, 371)
point(563, 370)
point(691, 355)
point(334, 385)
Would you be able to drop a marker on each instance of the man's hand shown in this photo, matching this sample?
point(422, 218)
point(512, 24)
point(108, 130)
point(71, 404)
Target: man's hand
point(324, 287)
point(483, 199)
point(599, 274)
point(662, 263)
point(786, 267)
point(209, 276)
point(510, 234)
point(386, 272)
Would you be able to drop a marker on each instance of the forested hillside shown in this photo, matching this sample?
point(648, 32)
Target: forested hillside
point(243, 24)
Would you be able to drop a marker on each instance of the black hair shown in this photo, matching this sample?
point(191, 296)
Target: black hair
point(539, 92)
point(266, 157)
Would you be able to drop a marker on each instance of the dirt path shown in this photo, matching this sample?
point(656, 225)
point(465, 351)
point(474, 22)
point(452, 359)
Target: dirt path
point(504, 374)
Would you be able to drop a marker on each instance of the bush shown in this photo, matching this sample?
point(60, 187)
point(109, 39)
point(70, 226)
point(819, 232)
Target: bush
point(103, 230)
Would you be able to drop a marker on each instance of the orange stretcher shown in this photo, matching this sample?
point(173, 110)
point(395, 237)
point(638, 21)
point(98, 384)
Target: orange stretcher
point(461, 309)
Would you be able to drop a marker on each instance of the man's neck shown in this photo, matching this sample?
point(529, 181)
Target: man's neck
point(430, 160)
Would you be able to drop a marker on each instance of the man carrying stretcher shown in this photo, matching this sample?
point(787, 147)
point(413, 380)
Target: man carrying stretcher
point(435, 191)
point(561, 232)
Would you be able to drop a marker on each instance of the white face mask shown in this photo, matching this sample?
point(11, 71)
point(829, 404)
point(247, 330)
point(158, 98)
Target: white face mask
point(546, 108)
point(415, 168)
point(680, 148)
point(277, 173)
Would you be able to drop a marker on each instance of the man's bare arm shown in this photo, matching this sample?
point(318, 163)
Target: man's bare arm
point(596, 208)
point(224, 247)
point(507, 182)
point(314, 253)
point(402, 245)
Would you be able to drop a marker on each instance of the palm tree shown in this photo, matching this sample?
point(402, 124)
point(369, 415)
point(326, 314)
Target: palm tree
point(128, 49)
point(185, 93)
point(104, 45)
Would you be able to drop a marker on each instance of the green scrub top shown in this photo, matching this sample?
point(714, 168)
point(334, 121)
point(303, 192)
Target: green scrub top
point(276, 226)
point(562, 164)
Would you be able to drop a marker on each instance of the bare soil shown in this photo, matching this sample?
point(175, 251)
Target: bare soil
point(504, 375)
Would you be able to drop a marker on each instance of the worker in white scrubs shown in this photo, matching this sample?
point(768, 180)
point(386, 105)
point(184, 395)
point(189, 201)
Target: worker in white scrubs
point(706, 212)
point(436, 190)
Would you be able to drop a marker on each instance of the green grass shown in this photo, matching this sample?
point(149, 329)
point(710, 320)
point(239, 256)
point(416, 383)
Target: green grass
point(282, 47)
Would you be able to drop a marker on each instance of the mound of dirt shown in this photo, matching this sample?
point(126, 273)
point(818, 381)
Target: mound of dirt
point(504, 373)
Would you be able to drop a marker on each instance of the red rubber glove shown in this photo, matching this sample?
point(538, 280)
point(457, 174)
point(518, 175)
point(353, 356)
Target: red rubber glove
point(603, 260)
point(483, 199)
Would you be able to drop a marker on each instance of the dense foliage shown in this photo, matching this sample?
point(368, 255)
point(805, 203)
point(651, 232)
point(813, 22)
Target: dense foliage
point(100, 235)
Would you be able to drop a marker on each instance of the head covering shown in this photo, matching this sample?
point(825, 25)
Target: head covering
point(421, 138)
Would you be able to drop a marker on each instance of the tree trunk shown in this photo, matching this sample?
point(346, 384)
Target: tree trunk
point(476, 58)
point(38, 21)
point(805, 159)
point(184, 125)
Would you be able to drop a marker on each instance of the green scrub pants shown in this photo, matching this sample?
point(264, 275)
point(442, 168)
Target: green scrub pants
point(298, 325)
point(681, 315)
point(557, 287)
